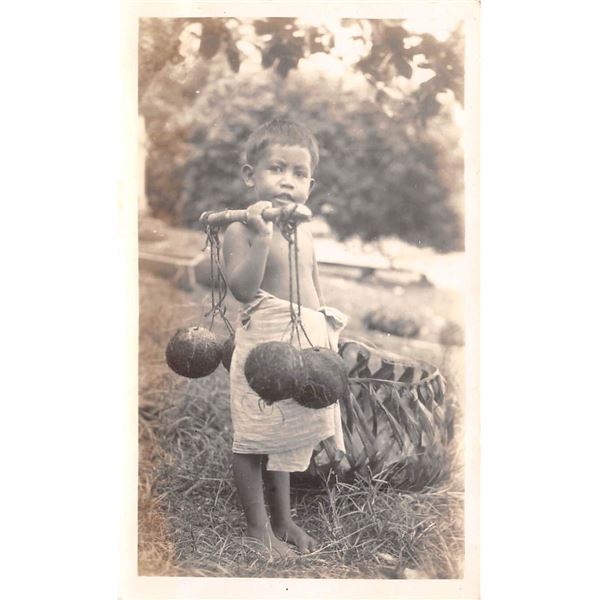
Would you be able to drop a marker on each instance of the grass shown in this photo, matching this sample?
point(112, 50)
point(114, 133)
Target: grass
point(190, 520)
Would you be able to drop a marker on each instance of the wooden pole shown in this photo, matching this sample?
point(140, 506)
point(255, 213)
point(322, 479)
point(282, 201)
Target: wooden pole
point(297, 213)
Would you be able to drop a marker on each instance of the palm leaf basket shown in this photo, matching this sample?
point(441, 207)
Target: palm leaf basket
point(397, 421)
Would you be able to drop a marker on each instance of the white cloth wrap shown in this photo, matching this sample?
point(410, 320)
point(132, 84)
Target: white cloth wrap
point(285, 431)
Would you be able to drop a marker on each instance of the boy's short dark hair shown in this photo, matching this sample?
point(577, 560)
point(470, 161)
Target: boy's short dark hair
point(284, 132)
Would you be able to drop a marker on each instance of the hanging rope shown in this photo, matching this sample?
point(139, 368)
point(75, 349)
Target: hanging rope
point(217, 277)
point(289, 230)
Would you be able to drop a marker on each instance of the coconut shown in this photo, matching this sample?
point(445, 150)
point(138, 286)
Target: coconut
point(274, 371)
point(193, 352)
point(227, 348)
point(326, 380)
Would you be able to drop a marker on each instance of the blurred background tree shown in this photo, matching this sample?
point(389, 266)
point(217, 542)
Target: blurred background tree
point(381, 100)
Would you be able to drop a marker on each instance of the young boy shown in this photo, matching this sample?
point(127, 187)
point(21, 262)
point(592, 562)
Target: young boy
point(271, 442)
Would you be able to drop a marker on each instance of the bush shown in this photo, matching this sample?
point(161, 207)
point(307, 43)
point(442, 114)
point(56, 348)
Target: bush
point(383, 172)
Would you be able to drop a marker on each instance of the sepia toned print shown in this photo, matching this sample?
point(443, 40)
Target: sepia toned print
point(390, 224)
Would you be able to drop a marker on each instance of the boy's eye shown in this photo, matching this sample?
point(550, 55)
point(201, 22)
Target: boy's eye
point(275, 168)
point(301, 174)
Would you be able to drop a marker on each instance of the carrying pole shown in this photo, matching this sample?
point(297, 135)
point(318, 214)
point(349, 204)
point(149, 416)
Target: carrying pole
point(296, 213)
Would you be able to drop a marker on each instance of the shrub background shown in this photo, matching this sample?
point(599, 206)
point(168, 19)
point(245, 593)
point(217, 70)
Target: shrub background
point(391, 158)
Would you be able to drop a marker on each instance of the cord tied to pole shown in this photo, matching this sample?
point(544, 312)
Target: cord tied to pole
point(289, 230)
point(218, 283)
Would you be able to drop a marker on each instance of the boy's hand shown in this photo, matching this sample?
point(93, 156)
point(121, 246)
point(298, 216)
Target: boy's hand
point(255, 220)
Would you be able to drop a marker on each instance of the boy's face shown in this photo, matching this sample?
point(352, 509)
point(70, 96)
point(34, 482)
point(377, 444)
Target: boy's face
point(281, 175)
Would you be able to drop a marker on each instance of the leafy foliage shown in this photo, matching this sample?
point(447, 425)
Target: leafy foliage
point(283, 42)
point(158, 45)
point(385, 170)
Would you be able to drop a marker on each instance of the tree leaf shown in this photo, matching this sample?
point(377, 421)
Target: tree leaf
point(272, 25)
point(209, 45)
point(263, 27)
point(268, 56)
point(402, 66)
point(233, 58)
point(285, 65)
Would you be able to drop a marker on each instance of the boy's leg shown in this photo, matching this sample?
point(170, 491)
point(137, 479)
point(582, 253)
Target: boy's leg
point(247, 474)
point(277, 486)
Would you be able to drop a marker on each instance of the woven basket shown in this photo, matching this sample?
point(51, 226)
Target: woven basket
point(397, 421)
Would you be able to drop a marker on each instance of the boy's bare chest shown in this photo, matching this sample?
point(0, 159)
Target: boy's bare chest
point(278, 260)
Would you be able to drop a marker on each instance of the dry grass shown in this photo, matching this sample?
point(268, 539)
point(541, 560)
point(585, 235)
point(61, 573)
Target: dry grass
point(190, 521)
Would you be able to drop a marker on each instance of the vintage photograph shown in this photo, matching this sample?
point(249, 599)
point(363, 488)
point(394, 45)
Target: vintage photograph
point(307, 302)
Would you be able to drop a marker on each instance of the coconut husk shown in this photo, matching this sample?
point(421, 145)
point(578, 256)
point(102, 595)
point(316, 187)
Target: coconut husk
point(325, 379)
point(274, 371)
point(193, 352)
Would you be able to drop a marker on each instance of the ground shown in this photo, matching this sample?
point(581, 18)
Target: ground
point(190, 520)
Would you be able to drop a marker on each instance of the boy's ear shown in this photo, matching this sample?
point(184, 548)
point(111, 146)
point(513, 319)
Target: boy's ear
point(311, 185)
point(248, 175)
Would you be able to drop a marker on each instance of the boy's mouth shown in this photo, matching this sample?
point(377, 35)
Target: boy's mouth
point(284, 197)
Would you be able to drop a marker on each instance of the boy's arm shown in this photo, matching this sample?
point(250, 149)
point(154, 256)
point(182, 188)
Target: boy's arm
point(245, 252)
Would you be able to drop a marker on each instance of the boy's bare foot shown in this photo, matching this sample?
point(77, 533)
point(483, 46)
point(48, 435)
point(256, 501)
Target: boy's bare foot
point(290, 532)
point(267, 544)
